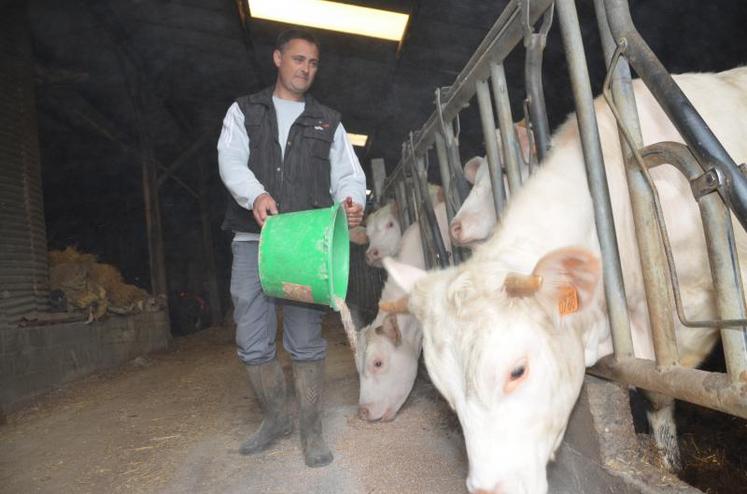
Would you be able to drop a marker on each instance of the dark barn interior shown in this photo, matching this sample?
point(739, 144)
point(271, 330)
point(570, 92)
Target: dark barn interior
point(118, 84)
point(122, 105)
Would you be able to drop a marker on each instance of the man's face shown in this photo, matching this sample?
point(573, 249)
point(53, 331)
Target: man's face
point(297, 65)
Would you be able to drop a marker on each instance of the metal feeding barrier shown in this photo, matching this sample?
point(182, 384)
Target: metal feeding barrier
point(718, 184)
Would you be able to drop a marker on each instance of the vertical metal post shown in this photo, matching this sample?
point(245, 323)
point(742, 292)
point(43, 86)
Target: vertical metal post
point(443, 167)
point(451, 142)
point(401, 193)
point(450, 192)
point(491, 145)
point(506, 125)
point(417, 195)
point(727, 280)
point(378, 167)
point(653, 259)
point(435, 241)
point(535, 45)
point(613, 282)
point(412, 205)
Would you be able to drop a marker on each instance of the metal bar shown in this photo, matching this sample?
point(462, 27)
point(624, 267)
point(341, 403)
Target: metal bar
point(491, 145)
point(451, 193)
point(412, 211)
point(723, 261)
point(455, 163)
point(535, 46)
point(497, 44)
point(423, 226)
point(400, 194)
point(378, 168)
point(506, 126)
point(441, 258)
point(443, 167)
point(709, 389)
point(613, 283)
point(654, 267)
point(704, 145)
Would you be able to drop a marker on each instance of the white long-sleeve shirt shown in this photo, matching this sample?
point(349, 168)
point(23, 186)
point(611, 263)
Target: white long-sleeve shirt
point(346, 175)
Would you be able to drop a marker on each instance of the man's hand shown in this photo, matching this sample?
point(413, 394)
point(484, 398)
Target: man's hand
point(264, 205)
point(354, 212)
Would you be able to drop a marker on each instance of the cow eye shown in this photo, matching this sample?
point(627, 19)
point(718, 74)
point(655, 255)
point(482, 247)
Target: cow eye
point(378, 363)
point(390, 224)
point(517, 372)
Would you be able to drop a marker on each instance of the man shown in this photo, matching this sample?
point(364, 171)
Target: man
point(280, 150)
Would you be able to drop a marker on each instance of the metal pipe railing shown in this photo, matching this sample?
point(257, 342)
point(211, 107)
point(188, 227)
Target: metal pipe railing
point(534, 42)
point(614, 289)
point(506, 126)
point(503, 36)
point(705, 146)
point(491, 145)
point(708, 151)
point(429, 229)
point(641, 191)
point(709, 389)
point(716, 390)
point(722, 256)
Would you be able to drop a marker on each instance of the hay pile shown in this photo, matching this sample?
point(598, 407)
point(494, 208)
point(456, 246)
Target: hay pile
point(94, 287)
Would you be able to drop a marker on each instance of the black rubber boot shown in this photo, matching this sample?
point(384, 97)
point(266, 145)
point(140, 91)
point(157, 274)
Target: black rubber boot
point(309, 379)
point(268, 382)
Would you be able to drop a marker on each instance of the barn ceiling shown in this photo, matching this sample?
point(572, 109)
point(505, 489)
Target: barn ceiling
point(119, 81)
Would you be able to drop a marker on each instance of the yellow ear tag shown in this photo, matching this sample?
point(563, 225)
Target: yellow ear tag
point(568, 300)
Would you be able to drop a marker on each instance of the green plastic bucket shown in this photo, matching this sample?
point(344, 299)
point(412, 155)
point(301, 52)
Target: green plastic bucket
point(305, 256)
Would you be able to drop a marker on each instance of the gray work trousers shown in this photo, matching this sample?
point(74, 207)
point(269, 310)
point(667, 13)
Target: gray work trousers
point(256, 321)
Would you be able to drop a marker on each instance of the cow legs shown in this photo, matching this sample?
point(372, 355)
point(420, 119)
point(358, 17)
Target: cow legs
point(661, 421)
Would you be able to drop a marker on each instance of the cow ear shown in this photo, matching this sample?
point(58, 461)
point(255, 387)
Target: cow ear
point(358, 235)
point(570, 278)
point(404, 275)
point(437, 193)
point(390, 329)
point(471, 167)
point(522, 136)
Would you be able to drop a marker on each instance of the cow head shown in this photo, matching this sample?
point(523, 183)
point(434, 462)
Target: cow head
point(387, 363)
point(476, 218)
point(507, 353)
point(383, 233)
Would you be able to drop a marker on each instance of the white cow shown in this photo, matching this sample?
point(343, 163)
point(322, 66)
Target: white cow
point(476, 218)
point(386, 358)
point(383, 232)
point(508, 351)
point(388, 349)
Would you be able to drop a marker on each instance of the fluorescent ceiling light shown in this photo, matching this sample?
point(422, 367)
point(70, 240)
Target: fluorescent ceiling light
point(333, 16)
point(357, 139)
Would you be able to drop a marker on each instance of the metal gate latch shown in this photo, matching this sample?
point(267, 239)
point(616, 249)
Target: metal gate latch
point(708, 182)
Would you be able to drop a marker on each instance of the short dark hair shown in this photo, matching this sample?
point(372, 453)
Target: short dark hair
point(291, 34)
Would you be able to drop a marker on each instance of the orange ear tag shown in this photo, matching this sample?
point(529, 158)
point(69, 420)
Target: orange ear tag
point(568, 300)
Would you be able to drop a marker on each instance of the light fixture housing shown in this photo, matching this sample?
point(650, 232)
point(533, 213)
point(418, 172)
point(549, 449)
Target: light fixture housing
point(333, 16)
point(359, 140)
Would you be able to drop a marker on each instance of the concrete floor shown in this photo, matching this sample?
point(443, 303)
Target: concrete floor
point(172, 422)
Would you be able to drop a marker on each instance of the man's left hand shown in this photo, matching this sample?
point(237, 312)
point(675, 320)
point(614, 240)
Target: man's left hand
point(354, 212)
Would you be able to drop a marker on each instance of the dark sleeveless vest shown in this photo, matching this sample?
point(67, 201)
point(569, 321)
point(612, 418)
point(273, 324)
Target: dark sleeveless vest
point(301, 180)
